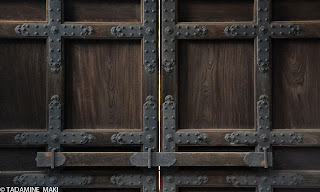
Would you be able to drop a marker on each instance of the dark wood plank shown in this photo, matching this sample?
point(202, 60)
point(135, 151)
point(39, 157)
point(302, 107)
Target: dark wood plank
point(217, 189)
point(216, 84)
point(23, 70)
point(296, 84)
point(101, 190)
point(103, 84)
point(19, 159)
point(295, 10)
point(295, 190)
point(116, 159)
point(215, 11)
point(102, 10)
point(296, 158)
point(23, 10)
point(217, 178)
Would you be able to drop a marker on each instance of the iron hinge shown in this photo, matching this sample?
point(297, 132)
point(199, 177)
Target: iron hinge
point(266, 181)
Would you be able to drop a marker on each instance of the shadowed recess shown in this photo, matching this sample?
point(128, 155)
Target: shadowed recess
point(23, 70)
point(19, 159)
point(23, 10)
point(224, 189)
point(102, 10)
point(295, 10)
point(295, 158)
point(215, 11)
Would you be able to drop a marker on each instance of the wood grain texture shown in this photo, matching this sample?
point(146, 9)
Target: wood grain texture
point(102, 10)
point(215, 11)
point(216, 189)
point(23, 70)
point(116, 159)
point(295, 10)
point(23, 10)
point(19, 159)
point(295, 190)
point(101, 190)
point(296, 158)
point(296, 84)
point(216, 84)
point(103, 84)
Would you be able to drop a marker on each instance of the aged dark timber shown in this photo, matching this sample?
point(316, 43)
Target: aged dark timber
point(237, 109)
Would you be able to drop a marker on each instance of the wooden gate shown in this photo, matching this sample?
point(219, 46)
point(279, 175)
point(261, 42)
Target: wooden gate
point(237, 111)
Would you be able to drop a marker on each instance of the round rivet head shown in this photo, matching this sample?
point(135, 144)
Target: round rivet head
point(149, 179)
point(149, 31)
point(169, 30)
point(263, 29)
point(264, 137)
point(54, 30)
point(169, 138)
point(53, 180)
point(149, 138)
point(169, 179)
point(54, 138)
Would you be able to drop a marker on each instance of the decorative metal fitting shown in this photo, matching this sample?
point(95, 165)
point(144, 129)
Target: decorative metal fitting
point(56, 180)
point(149, 135)
point(265, 182)
point(153, 159)
point(132, 180)
point(54, 137)
point(174, 180)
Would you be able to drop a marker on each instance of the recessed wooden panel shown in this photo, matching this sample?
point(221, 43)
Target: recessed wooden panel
point(23, 70)
point(217, 189)
point(215, 11)
point(216, 84)
point(295, 190)
point(287, 10)
point(103, 79)
point(23, 10)
point(19, 159)
point(101, 190)
point(295, 158)
point(296, 84)
point(102, 10)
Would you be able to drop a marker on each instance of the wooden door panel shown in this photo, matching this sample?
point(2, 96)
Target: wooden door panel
point(104, 77)
point(295, 10)
point(215, 11)
point(102, 11)
point(23, 10)
point(216, 84)
point(295, 158)
point(86, 82)
point(243, 82)
point(23, 80)
point(11, 158)
point(296, 84)
point(217, 190)
point(295, 190)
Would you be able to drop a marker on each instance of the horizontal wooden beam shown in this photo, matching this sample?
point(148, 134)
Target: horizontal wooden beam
point(216, 178)
point(180, 159)
point(217, 137)
point(216, 30)
point(311, 137)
